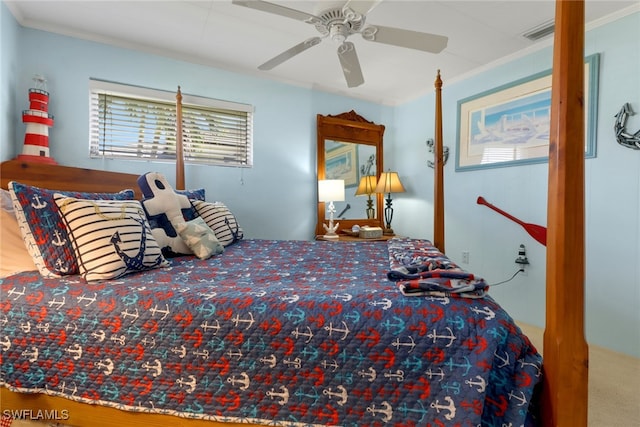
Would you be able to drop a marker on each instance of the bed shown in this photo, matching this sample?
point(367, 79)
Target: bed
point(355, 338)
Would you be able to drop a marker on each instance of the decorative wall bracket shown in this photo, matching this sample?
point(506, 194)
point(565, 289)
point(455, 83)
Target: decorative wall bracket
point(365, 169)
point(430, 143)
point(623, 137)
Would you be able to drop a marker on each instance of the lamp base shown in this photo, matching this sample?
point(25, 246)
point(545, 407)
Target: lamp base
point(331, 237)
point(388, 232)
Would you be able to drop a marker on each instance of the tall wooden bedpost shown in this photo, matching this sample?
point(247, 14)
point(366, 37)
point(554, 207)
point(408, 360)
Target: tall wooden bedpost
point(438, 181)
point(179, 150)
point(566, 355)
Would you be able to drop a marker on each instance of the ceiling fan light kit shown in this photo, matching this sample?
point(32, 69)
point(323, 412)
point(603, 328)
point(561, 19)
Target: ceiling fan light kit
point(338, 24)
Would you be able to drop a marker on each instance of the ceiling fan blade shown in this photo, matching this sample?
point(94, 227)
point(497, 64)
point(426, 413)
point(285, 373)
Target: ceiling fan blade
point(405, 38)
point(277, 9)
point(361, 7)
point(350, 64)
point(290, 53)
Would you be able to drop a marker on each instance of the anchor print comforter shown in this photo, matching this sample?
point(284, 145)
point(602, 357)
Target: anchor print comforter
point(289, 333)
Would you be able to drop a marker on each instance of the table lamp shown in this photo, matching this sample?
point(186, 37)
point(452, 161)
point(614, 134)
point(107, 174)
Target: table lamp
point(331, 190)
point(367, 187)
point(388, 183)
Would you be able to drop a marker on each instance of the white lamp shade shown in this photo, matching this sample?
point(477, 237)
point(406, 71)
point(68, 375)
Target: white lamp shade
point(389, 183)
point(331, 190)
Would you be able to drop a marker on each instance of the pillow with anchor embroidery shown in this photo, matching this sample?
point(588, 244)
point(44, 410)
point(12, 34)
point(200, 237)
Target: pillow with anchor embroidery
point(42, 229)
point(111, 238)
point(220, 219)
point(165, 207)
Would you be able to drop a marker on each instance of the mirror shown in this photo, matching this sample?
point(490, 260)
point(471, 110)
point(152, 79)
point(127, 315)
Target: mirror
point(350, 148)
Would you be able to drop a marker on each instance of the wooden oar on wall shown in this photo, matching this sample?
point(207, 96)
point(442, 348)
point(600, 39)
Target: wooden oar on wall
point(538, 232)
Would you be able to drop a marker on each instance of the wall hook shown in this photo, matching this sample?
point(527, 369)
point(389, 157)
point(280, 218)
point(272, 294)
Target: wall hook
point(430, 145)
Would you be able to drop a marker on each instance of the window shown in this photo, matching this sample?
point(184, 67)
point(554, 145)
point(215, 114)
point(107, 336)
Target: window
point(138, 123)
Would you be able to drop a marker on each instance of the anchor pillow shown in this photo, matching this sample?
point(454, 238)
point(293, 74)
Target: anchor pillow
point(42, 228)
point(165, 208)
point(220, 219)
point(111, 238)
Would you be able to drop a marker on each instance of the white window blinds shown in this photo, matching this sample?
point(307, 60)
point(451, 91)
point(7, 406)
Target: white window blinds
point(139, 123)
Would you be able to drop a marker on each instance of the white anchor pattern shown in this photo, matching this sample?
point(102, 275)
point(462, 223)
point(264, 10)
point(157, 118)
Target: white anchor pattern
point(258, 334)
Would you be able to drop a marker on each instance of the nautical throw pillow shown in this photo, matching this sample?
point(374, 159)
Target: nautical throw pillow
point(13, 253)
point(111, 238)
point(200, 238)
point(220, 219)
point(42, 228)
point(195, 194)
point(166, 207)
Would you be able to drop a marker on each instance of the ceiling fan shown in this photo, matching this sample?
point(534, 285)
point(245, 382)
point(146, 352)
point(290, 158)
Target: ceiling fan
point(339, 23)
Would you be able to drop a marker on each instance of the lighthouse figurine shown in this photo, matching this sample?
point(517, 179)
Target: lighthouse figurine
point(38, 121)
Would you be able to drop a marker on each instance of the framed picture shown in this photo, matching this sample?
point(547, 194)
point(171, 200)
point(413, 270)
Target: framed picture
point(510, 125)
point(342, 163)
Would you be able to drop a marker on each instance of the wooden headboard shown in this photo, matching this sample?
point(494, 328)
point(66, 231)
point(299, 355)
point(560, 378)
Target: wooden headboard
point(66, 178)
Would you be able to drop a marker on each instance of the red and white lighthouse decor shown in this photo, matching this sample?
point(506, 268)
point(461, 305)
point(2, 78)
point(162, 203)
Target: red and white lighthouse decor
point(38, 121)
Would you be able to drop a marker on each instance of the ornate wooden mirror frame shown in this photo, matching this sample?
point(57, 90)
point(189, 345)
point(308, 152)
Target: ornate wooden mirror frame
point(350, 128)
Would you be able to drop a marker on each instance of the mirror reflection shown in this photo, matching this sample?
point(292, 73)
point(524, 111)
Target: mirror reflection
point(356, 165)
point(350, 148)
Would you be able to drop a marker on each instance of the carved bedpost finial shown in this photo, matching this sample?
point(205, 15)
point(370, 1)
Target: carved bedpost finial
point(438, 82)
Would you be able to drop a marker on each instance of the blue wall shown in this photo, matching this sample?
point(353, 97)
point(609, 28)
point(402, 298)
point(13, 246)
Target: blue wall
point(273, 199)
point(9, 30)
point(612, 193)
point(284, 158)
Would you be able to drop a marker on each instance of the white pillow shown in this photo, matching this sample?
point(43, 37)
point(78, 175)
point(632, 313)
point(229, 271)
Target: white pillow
point(200, 238)
point(111, 238)
point(14, 256)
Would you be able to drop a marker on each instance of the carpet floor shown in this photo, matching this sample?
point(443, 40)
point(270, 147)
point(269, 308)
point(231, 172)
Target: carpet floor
point(614, 384)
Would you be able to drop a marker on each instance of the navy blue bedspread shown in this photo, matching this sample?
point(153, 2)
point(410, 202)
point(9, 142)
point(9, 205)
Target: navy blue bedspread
point(274, 332)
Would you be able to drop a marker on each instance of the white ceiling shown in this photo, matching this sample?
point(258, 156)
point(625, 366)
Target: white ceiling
point(227, 36)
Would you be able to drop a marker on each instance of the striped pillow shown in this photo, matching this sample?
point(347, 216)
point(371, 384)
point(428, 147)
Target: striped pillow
point(220, 219)
point(110, 238)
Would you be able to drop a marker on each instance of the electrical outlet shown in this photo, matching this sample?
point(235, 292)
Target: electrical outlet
point(465, 257)
point(522, 260)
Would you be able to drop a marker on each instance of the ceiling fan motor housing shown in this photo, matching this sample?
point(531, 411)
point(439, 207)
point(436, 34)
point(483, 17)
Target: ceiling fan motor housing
point(336, 25)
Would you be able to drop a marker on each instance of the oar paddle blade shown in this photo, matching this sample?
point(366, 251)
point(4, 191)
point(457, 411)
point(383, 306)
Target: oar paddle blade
point(538, 232)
